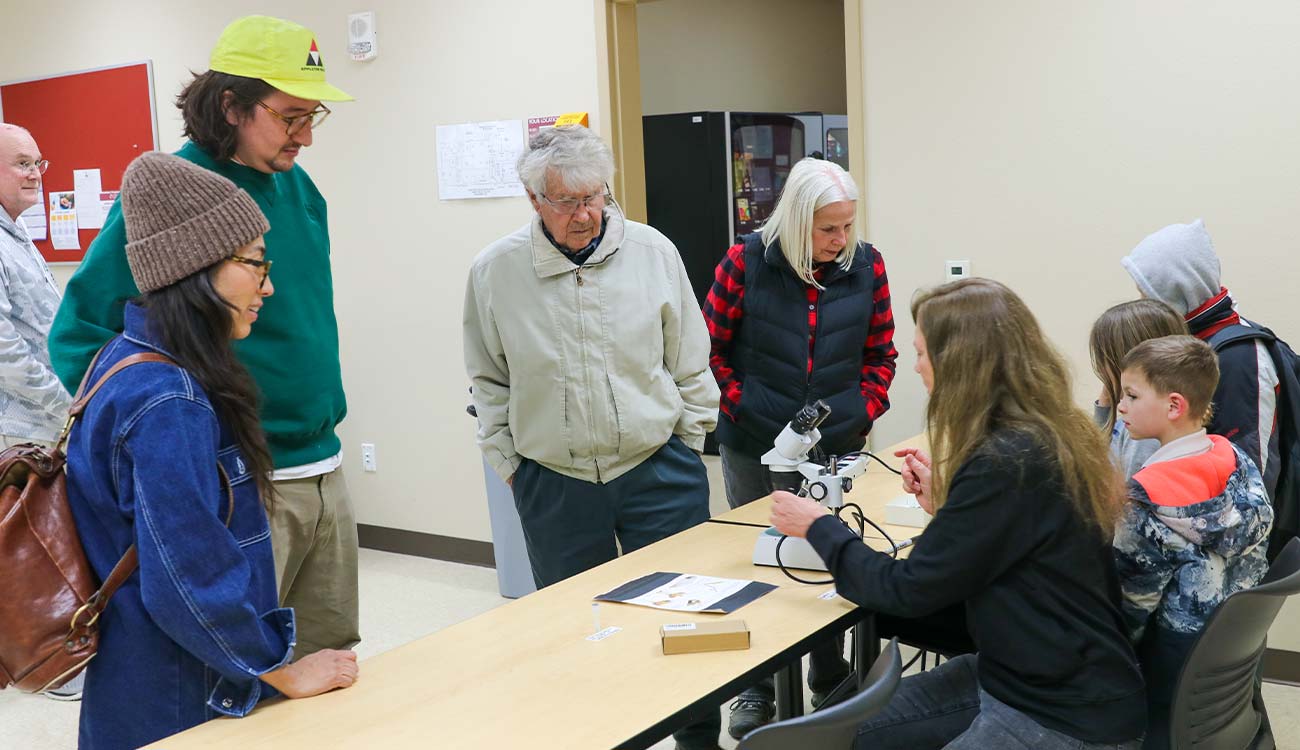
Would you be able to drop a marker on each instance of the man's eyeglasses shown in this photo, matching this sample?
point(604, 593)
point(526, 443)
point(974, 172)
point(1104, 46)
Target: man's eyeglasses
point(569, 206)
point(264, 266)
point(38, 167)
point(295, 124)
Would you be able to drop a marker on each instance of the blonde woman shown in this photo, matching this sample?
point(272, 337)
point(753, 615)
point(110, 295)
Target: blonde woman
point(798, 312)
point(1024, 499)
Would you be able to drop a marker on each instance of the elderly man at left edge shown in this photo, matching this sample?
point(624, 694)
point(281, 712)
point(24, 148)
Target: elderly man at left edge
point(33, 403)
point(589, 359)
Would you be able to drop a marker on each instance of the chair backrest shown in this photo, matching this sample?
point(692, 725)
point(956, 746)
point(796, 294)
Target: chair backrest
point(837, 725)
point(1213, 702)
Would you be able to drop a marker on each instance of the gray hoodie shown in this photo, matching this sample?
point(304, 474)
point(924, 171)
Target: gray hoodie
point(1176, 265)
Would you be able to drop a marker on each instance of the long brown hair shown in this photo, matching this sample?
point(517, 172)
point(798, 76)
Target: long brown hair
point(193, 321)
point(1121, 328)
point(994, 369)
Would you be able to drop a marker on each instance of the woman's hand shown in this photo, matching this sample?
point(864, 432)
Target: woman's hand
point(916, 476)
point(314, 674)
point(792, 515)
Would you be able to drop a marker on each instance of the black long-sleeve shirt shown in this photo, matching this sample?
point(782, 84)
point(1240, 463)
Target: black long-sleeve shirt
point(1041, 595)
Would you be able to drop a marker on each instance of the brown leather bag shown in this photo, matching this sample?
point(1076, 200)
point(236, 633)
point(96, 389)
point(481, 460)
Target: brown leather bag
point(49, 605)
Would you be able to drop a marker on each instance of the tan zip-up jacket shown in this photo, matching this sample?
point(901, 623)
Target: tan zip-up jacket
point(586, 370)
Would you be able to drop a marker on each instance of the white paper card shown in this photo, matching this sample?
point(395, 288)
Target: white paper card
point(602, 635)
point(86, 184)
point(106, 200)
point(690, 593)
point(34, 220)
point(63, 221)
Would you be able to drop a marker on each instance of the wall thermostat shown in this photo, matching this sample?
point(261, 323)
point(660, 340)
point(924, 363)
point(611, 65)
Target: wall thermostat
point(956, 269)
point(363, 42)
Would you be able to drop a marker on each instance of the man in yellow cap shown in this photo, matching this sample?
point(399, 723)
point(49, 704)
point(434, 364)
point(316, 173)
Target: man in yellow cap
point(247, 118)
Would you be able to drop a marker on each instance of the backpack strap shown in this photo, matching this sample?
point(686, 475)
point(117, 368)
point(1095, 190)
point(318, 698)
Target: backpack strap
point(1234, 333)
point(95, 605)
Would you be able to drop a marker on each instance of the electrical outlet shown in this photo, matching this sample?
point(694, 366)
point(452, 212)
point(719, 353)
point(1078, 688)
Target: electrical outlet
point(956, 269)
point(368, 457)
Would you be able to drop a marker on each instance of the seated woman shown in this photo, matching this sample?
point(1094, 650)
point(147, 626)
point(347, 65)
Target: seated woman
point(170, 457)
point(1024, 501)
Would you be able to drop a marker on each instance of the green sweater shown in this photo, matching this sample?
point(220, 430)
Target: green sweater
point(293, 352)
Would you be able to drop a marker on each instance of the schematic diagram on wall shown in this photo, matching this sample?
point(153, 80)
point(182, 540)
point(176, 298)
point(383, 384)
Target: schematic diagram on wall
point(477, 159)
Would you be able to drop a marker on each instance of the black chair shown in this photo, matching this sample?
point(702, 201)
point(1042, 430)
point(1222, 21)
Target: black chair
point(836, 726)
point(1214, 701)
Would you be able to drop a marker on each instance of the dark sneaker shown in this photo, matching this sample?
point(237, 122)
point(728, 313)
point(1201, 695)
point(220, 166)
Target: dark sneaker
point(748, 714)
point(819, 699)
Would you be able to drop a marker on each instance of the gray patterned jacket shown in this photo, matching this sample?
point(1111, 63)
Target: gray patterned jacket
point(33, 404)
point(1195, 530)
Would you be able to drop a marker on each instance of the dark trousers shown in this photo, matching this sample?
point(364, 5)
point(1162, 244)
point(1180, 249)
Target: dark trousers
point(1162, 653)
point(571, 525)
point(746, 480)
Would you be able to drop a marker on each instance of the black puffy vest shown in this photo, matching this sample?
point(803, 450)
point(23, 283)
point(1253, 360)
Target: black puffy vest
point(770, 351)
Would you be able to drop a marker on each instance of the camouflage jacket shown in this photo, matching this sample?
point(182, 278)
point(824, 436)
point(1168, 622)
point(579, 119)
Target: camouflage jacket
point(1195, 530)
point(33, 403)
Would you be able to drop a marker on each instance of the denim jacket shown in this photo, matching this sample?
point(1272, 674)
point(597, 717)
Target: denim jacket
point(186, 637)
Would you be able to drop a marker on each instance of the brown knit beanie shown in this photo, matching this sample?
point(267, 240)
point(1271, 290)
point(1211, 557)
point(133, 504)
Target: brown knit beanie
point(182, 218)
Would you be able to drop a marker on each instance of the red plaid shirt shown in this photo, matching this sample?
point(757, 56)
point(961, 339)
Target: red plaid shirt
point(724, 308)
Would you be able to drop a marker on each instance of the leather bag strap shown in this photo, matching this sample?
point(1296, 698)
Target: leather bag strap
point(131, 560)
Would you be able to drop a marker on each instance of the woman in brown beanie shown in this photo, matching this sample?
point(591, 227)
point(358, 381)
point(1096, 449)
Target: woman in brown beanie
point(170, 457)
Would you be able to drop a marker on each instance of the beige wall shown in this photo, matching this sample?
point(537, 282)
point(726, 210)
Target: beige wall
point(1043, 140)
point(761, 55)
point(398, 288)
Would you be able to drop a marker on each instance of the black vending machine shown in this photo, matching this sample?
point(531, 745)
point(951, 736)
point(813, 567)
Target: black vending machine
point(712, 177)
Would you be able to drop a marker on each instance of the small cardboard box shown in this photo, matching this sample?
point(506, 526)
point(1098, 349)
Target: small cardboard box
point(696, 637)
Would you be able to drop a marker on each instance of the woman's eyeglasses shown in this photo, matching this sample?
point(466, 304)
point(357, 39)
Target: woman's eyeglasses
point(261, 265)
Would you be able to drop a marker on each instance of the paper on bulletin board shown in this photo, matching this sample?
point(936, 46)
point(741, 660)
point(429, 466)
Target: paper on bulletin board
point(106, 200)
point(63, 220)
point(34, 220)
point(86, 184)
point(477, 160)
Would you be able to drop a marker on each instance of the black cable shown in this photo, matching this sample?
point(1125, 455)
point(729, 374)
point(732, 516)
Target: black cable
point(741, 523)
point(862, 530)
point(790, 575)
point(874, 457)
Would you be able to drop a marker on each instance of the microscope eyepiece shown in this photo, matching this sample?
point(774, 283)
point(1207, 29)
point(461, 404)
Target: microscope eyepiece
point(809, 417)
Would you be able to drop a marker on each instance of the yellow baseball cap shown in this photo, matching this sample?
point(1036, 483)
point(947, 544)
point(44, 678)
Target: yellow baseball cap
point(280, 52)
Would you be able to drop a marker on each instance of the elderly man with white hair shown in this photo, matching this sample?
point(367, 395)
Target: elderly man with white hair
point(590, 366)
point(33, 404)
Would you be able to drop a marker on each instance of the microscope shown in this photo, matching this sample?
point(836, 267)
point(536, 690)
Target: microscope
point(792, 469)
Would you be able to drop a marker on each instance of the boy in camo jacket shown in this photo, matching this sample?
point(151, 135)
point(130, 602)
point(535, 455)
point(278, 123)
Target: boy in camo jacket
point(1196, 526)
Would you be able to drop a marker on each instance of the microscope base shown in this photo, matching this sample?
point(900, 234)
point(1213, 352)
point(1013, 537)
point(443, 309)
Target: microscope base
point(795, 553)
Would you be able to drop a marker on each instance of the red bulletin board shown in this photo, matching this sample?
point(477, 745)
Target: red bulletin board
point(93, 119)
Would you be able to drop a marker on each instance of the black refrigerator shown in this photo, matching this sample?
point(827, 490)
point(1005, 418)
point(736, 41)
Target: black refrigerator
point(714, 176)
